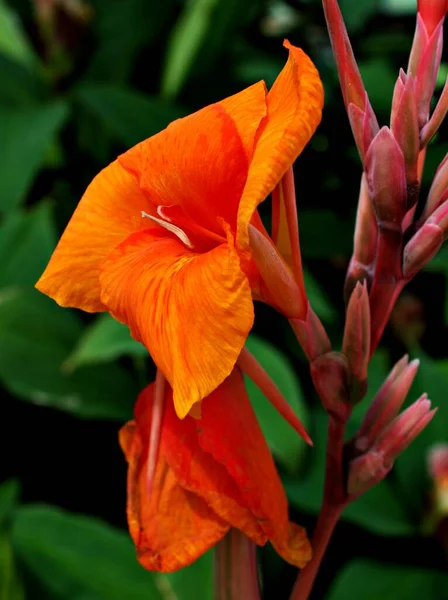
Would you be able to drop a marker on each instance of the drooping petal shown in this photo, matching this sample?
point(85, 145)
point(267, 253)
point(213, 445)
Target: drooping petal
point(223, 458)
point(294, 111)
point(192, 311)
point(200, 162)
point(107, 214)
point(172, 527)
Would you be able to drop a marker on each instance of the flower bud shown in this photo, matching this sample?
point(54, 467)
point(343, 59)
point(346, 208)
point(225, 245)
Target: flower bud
point(387, 401)
point(437, 117)
point(386, 178)
point(438, 469)
point(421, 248)
point(330, 375)
point(426, 76)
point(432, 12)
point(281, 287)
point(356, 342)
point(438, 188)
point(404, 126)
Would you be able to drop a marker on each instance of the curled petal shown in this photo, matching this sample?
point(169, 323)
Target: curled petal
point(294, 108)
point(172, 527)
point(192, 311)
point(108, 213)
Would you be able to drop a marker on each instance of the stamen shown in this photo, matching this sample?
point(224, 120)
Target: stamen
point(170, 227)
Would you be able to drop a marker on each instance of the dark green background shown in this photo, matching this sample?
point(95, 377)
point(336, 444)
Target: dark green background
point(69, 379)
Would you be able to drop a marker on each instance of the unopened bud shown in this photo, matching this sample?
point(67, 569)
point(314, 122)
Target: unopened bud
point(421, 248)
point(330, 375)
point(419, 44)
point(404, 429)
point(432, 12)
point(438, 468)
point(404, 126)
point(356, 342)
point(427, 74)
point(437, 117)
point(283, 291)
point(364, 125)
point(386, 178)
point(438, 188)
point(365, 471)
point(387, 402)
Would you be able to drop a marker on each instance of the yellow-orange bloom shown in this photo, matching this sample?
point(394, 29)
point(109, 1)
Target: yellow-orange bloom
point(211, 474)
point(160, 238)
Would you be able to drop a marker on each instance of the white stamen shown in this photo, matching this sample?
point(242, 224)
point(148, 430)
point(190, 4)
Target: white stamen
point(170, 227)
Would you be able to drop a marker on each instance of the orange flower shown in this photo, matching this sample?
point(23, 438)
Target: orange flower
point(161, 237)
point(211, 474)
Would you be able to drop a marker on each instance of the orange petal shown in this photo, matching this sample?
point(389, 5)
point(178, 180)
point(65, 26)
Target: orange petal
point(231, 468)
point(173, 527)
point(200, 162)
point(108, 213)
point(192, 311)
point(294, 111)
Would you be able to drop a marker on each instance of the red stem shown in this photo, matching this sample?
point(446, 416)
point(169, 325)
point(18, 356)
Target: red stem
point(333, 504)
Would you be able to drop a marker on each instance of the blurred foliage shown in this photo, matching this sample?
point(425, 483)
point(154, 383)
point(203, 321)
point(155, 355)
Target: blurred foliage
point(81, 83)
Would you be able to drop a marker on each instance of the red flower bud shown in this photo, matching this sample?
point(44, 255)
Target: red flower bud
point(432, 12)
point(386, 178)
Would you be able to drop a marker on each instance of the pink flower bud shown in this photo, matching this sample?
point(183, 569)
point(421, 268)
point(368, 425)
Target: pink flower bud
point(387, 402)
point(438, 461)
point(432, 12)
point(386, 178)
point(352, 86)
point(282, 291)
point(421, 248)
point(419, 44)
point(356, 342)
point(330, 375)
point(405, 128)
point(427, 70)
point(438, 188)
point(364, 126)
point(365, 471)
point(437, 117)
point(404, 429)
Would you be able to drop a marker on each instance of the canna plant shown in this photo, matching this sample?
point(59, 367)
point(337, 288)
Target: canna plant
point(169, 241)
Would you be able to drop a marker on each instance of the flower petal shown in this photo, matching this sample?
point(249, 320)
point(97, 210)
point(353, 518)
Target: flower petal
point(231, 468)
point(200, 162)
point(192, 311)
point(294, 111)
point(107, 214)
point(172, 527)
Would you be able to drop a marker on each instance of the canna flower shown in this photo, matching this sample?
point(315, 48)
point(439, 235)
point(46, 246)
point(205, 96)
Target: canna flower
point(212, 473)
point(163, 237)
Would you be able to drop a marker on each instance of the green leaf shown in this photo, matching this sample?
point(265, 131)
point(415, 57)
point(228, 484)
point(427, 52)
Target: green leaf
point(379, 510)
point(9, 495)
point(411, 466)
point(285, 443)
point(129, 116)
point(399, 7)
point(190, 583)
point(33, 326)
point(75, 555)
point(105, 340)
point(123, 34)
point(365, 580)
point(10, 585)
point(186, 39)
point(25, 136)
point(19, 85)
point(356, 13)
point(318, 298)
point(379, 80)
point(13, 41)
point(27, 240)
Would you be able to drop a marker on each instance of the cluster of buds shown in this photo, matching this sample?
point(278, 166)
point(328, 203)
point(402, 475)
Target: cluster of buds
point(390, 245)
point(384, 433)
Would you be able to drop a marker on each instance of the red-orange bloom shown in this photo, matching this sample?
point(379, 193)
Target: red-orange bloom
point(160, 239)
point(212, 474)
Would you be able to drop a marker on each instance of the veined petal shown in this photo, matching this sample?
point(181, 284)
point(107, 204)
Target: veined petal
point(294, 111)
point(107, 214)
point(223, 458)
point(200, 162)
point(192, 311)
point(172, 527)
